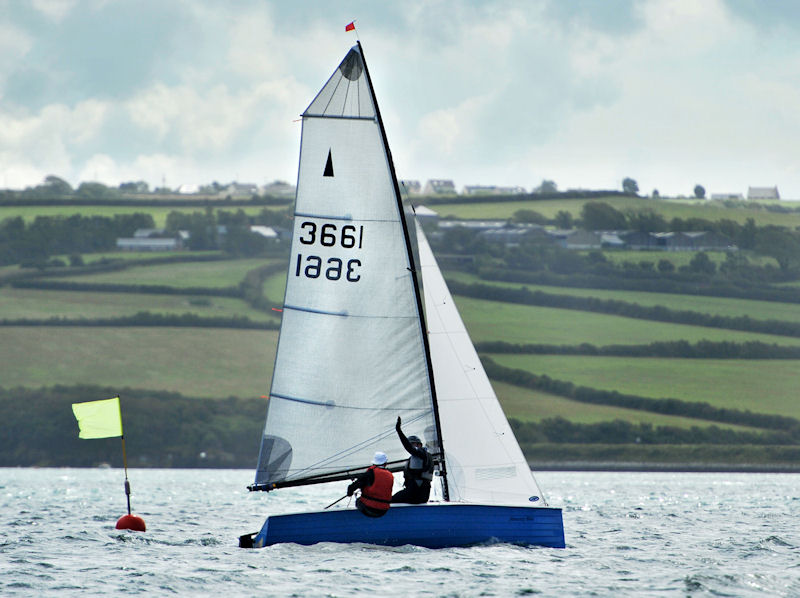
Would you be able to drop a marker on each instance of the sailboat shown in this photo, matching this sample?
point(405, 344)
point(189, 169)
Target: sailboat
point(369, 333)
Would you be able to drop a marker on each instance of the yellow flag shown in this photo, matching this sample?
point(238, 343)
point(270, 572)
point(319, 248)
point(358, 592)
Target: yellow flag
point(99, 419)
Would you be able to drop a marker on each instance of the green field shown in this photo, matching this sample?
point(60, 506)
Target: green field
point(669, 208)
point(531, 405)
point(36, 304)
point(721, 306)
point(216, 274)
point(201, 362)
point(764, 386)
point(493, 320)
point(275, 286)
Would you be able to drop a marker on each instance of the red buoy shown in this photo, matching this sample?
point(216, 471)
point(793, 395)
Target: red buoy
point(131, 522)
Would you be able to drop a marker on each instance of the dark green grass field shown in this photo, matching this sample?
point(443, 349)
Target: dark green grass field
point(40, 304)
point(200, 362)
point(182, 275)
point(766, 386)
point(530, 405)
point(493, 320)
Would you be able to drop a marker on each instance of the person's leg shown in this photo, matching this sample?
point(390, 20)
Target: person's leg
point(368, 511)
point(403, 496)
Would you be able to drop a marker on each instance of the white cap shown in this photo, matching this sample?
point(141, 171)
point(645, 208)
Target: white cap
point(380, 458)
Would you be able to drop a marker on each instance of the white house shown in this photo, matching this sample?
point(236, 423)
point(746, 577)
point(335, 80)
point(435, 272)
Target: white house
point(264, 231)
point(763, 193)
point(440, 187)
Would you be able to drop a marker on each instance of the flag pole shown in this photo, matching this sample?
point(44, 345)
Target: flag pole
point(127, 521)
point(127, 483)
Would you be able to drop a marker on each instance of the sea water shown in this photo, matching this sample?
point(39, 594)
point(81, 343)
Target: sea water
point(627, 534)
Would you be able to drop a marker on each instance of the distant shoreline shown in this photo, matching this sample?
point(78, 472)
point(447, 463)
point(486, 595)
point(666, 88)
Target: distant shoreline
point(612, 466)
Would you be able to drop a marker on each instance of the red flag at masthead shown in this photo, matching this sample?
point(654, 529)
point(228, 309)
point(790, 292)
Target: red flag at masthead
point(351, 26)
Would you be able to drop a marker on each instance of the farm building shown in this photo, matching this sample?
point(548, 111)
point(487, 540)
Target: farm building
point(763, 193)
point(440, 187)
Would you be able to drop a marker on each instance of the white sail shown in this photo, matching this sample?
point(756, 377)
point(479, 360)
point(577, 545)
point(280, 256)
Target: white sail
point(351, 352)
point(484, 461)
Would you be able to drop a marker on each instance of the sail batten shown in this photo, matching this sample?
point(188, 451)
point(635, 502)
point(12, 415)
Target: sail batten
point(332, 405)
point(345, 218)
point(317, 311)
point(341, 117)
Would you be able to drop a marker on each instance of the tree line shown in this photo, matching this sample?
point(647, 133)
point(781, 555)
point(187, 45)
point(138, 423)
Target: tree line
point(560, 430)
point(167, 429)
point(54, 235)
point(548, 193)
point(781, 243)
point(539, 253)
point(647, 282)
point(33, 243)
point(162, 429)
point(146, 318)
point(54, 189)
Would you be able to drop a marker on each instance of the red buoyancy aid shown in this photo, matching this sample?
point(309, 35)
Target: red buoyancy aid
point(379, 494)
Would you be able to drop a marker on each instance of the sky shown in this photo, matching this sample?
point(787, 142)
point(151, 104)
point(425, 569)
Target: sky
point(672, 93)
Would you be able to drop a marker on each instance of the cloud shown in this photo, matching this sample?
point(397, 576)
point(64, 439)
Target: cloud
point(44, 143)
point(670, 92)
point(15, 43)
point(55, 10)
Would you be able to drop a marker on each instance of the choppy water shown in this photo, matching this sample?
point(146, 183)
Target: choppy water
point(642, 534)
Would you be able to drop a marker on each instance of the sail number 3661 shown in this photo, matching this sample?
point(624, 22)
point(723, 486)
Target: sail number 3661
point(329, 235)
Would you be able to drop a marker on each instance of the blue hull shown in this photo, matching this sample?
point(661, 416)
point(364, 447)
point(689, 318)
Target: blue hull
point(431, 525)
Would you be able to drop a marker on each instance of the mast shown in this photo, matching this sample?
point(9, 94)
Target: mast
point(414, 276)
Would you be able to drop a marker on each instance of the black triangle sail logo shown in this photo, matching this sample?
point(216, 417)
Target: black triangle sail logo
point(328, 166)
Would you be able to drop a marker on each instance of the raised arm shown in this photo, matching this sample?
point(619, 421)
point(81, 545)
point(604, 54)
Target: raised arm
point(406, 444)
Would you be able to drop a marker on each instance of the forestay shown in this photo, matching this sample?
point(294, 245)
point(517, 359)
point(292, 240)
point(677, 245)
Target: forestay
point(351, 354)
point(484, 461)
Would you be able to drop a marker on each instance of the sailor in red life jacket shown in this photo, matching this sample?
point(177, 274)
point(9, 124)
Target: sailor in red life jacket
point(376, 487)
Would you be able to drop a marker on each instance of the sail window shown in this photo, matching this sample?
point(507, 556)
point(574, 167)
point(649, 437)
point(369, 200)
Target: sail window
point(328, 166)
point(274, 460)
point(351, 66)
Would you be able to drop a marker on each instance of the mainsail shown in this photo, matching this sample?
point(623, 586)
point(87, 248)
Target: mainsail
point(351, 352)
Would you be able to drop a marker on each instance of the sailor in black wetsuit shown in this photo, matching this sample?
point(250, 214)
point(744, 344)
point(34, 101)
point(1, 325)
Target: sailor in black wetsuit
point(418, 472)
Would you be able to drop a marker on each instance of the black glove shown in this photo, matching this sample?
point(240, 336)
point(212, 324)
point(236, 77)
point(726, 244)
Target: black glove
point(350, 490)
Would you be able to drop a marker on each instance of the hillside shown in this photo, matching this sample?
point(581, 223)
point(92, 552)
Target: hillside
point(597, 357)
